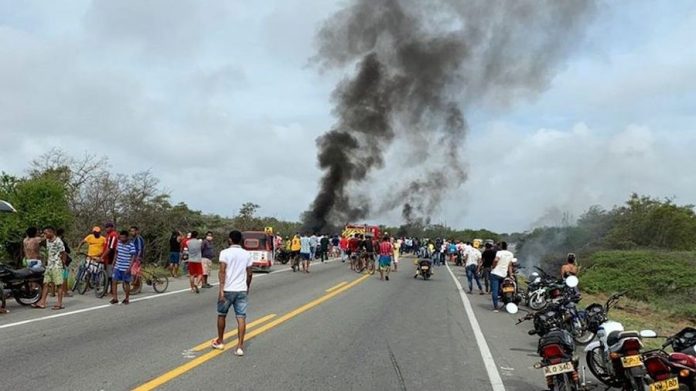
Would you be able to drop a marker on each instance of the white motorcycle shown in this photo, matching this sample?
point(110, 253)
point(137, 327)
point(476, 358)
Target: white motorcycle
point(615, 358)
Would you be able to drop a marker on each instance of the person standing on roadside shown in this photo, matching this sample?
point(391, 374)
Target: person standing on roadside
point(174, 253)
point(305, 252)
point(208, 252)
point(487, 259)
point(30, 249)
point(54, 269)
point(324, 248)
point(472, 257)
point(139, 245)
point(235, 282)
point(195, 257)
point(110, 250)
point(502, 268)
point(68, 260)
point(386, 254)
point(396, 246)
point(313, 243)
point(124, 257)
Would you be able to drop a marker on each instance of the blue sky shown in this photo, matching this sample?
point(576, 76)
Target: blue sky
point(221, 102)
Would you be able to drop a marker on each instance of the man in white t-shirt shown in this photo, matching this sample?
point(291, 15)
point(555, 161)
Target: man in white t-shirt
point(502, 267)
point(235, 279)
point(472, 258)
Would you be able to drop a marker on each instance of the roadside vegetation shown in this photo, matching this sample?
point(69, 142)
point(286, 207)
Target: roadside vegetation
point(646, 247)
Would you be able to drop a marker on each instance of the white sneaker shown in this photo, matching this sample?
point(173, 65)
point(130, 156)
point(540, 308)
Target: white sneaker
point(215, 345)
point(239, 352)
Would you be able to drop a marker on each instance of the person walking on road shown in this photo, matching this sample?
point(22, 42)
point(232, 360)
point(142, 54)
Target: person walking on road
point(343, 246)
point(472, 257)
point(54, 269)
point(313, 243)
point(305, 252)
point(487, 259)
point(502, 268)
point(397, 248)
point(324, 248)
point(295, 247)
point(235, 281)
point(174, 253)
point(125, 254)
point(208, 252)
point(195, 257)
point(386, 254)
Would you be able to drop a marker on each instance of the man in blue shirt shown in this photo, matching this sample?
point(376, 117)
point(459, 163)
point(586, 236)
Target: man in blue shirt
point(125, 253)
point(138, 243)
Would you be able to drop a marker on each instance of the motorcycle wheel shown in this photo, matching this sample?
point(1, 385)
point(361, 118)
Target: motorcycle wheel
point(27, 295)
point(594, 362)
point(160, 284)
point(426, 276)
point(537, 302)
point(564, 383)
point(635, 383)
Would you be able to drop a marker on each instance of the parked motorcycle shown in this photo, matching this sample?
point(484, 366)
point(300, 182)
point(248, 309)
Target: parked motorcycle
point(615, 359)
point(556, 349)
point(675, 371)
point(24, 285)
point(543, 290)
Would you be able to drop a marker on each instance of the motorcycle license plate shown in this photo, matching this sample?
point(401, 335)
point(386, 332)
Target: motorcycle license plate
point(553, 370)
point(631, 361)
point(665, 385)
point(425, 267)
point(508, 289)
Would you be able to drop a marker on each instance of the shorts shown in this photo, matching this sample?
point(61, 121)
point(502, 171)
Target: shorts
point(305, 256)
point(53, 276)
point(195, 269)
point(384, 261)
point(238, 300)
point(206, 266)
point(121, 276)
point(174, 258)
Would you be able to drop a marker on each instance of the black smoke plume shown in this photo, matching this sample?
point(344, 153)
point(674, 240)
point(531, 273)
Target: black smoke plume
point(419, 65)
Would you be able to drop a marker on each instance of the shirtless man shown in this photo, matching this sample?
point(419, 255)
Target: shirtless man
point(30, 248)
point(570, 268)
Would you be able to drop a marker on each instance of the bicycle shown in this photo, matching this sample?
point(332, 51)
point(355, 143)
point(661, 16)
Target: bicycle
point(369, 262)
point(158, 280)
point(91, 274)
point(357, 264)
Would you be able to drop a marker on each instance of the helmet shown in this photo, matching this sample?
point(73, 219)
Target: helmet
point(533, 276)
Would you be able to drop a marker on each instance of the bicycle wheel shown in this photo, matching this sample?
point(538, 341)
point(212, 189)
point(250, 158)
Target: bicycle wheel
point(99, 281)
point(82, 282)
point(136, 285)
point(160, 284)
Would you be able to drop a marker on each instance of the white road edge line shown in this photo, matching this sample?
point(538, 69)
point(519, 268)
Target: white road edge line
point(489, 362)
point(151, 297)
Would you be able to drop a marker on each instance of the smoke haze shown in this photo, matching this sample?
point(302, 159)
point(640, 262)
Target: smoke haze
point(419, 67)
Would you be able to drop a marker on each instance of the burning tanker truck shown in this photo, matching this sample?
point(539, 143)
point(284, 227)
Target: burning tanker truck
point(360, 229)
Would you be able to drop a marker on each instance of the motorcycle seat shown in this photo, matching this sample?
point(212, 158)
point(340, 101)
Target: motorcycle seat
point(616, 336)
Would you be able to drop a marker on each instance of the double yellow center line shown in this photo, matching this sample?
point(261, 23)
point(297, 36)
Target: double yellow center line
point(180, 370)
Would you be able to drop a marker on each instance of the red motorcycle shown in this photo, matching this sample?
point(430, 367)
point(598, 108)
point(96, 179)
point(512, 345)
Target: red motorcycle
point(675, 371)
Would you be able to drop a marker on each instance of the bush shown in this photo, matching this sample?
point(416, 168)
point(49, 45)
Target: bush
point(663, 278)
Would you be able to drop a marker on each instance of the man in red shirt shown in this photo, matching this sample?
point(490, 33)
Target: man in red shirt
point(343, 245)
point(109, 253)
point(386, 252)
point(353, 249)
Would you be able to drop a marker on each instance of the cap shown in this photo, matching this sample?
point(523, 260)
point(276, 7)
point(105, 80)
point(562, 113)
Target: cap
point(96, 229)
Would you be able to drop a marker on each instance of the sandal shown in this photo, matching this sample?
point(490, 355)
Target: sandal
point(41, 307)
point(113, 301)
point(57, 307)
point(125, 301)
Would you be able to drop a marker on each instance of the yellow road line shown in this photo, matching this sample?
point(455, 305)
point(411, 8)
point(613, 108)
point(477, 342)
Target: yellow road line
point(233, 333)
point(180, 370)
point(336, 287)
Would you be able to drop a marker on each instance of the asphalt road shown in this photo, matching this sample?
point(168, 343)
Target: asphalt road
point(363, 334)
